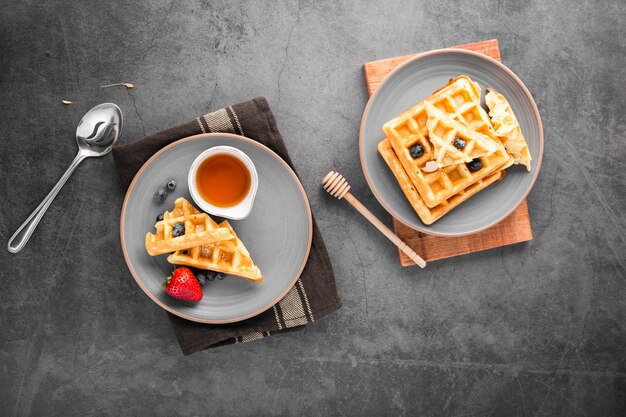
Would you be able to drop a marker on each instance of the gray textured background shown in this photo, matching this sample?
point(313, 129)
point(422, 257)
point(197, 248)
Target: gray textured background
point(536, 329)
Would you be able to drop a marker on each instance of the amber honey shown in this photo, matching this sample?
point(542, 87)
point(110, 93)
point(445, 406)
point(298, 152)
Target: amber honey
point(223, 180)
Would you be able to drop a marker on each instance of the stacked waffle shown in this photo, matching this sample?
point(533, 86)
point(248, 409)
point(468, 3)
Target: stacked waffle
point(446, 148)
point(203, 244)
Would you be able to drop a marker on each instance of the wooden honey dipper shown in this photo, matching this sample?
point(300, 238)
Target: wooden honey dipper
point(337, 186)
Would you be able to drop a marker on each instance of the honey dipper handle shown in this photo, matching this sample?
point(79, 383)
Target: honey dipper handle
point(384, 229)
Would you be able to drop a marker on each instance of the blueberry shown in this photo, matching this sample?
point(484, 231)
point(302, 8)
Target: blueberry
point(160, 217)
point(171, 185)
point(221, 276)
point(475, 164)
point(160, 195)
point(210, 275)
point(459, 143)
point(417, 151)
point(178, 230)
point(201, 277)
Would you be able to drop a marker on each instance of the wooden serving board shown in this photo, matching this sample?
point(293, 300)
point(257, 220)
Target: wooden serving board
point(514, 229)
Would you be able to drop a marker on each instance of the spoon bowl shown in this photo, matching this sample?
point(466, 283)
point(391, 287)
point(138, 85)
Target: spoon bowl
point(99, 129)
point(96, 134)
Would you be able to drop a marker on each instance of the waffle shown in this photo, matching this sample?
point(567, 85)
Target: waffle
point(507, 128)
point(459, 99)
point(228, 256)
point(436, 187)
point(200, 229)
point(430, 215)
point(443, 131)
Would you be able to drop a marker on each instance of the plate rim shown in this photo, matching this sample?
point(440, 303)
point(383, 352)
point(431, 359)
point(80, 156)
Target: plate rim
point(203, 136)
point(422, 55)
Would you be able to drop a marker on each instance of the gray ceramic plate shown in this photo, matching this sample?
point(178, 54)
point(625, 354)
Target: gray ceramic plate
point(411, 83)
point(277, 233)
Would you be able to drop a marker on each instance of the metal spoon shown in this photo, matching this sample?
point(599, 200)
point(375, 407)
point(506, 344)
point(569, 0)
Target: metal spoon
point(96, 134)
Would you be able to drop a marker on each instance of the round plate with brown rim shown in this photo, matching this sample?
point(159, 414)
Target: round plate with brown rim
point(277, 233)
point(412, 82)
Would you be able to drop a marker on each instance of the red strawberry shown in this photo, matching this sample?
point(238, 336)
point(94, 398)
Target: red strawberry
point(183, 285)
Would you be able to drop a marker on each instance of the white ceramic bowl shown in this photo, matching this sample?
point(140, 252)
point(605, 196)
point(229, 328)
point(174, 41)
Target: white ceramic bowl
point(238, 211)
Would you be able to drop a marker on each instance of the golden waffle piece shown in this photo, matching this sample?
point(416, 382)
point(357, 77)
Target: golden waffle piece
point(454, 142)
point(507, 128)
point(430, 215)
point(200, 229)
point(228, 256)
point(438, 186)
point(459, 99)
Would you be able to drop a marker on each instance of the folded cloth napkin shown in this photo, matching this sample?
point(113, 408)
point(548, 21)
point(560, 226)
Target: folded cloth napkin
point(312, 297)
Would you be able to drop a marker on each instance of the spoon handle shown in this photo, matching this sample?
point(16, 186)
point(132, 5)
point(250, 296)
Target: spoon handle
point(21, 236)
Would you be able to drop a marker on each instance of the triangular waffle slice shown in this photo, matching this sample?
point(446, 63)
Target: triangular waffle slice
point(228, 256)
point(430, 215)
point(507, 128)
point(454, 142)
point(200, 229)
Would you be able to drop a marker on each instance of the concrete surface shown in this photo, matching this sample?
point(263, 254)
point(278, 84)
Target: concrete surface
point(536, 329)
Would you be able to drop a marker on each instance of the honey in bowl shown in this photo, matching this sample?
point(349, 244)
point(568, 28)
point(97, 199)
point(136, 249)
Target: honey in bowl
point(223, 180)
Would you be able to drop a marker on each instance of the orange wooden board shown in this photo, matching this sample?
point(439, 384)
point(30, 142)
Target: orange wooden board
point(514, 229)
